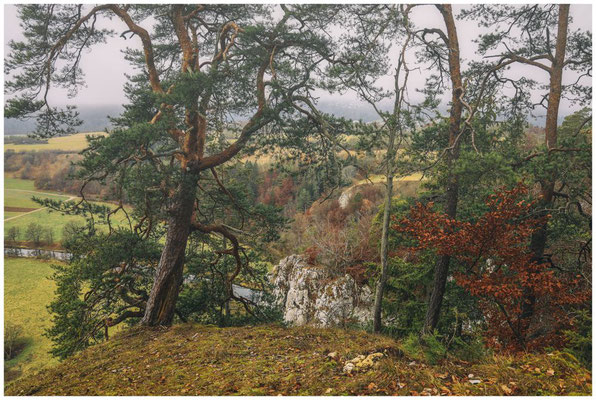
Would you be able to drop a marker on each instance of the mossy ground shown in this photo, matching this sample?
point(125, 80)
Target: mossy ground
point(270, 360)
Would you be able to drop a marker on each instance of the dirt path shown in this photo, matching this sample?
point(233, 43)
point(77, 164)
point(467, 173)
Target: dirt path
point(36, 192)
point(36, 210)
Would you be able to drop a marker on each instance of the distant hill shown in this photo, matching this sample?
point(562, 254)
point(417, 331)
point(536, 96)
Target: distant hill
point(190, 359)
point(95, 119)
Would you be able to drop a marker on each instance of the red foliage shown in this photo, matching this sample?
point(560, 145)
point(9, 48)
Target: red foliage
point(498, 269)
point(311, 254)
point(274, 192)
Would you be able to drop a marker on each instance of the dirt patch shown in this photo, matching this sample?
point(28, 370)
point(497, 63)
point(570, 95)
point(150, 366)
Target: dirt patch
point(19, 209)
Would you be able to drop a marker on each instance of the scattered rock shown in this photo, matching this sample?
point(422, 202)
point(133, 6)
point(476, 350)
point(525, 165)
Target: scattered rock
point(348, 367)
point(362, 363)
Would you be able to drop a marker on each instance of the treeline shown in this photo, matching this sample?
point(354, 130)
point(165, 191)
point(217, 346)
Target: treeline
point(53, 170)
point(24, 139)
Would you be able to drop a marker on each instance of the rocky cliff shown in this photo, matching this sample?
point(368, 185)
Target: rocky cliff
point(312, 295)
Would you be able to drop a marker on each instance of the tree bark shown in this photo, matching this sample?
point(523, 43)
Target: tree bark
point(547, 187)
point(168, 278)
point(384, 265)
point(441, 271)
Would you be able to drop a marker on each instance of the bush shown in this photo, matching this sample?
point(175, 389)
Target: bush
point(48, 236)
point(34, 233)
point(12, 235)
point(428, 348)
point(579, 341)
point(472, 349)
point(405, 299)
point(13, 340)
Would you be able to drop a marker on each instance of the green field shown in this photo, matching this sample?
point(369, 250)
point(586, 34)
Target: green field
point(20, 184)
point(381, 178)
point(17, 198)
point(19, 193)
point(76, 142)
point(27, 292)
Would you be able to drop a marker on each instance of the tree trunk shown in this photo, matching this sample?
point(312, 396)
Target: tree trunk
point(451, 196)
point(552, 114)
point(442, 265)
point(168, 279)
point(547, 187)
point(384, 239)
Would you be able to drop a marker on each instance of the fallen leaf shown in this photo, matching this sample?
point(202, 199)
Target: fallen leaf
point(550, 372)
point(506, 389)
point(372, 386)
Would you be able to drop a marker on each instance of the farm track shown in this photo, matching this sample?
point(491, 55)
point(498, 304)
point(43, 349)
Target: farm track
point(36, 192)
point(37, 209)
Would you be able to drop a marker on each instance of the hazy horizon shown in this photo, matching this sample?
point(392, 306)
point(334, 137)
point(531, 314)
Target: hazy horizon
point(105, 68)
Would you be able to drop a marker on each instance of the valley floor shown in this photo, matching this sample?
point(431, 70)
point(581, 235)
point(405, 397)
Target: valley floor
point(194, 359)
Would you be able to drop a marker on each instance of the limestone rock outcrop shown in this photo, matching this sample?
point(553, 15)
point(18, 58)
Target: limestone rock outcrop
point(313, 295)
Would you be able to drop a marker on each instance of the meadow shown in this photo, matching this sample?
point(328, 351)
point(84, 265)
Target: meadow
point(18, 193)
point(20, 210)
point(27, 292)
point(73, 143)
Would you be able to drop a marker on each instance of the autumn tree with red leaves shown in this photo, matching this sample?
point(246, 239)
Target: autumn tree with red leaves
point(496, 266)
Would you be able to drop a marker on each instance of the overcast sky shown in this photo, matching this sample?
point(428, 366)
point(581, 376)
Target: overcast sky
point(105, 66)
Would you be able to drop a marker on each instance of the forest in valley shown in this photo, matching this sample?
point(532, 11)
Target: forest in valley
point(434, 237)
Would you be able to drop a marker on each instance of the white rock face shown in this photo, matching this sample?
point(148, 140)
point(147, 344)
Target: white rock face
point(312, 295)
point(344, 199)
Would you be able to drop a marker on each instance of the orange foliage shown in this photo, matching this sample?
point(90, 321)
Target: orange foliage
point(525, 303)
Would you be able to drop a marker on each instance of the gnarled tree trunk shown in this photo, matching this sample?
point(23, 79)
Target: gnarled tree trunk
point(168, 278)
